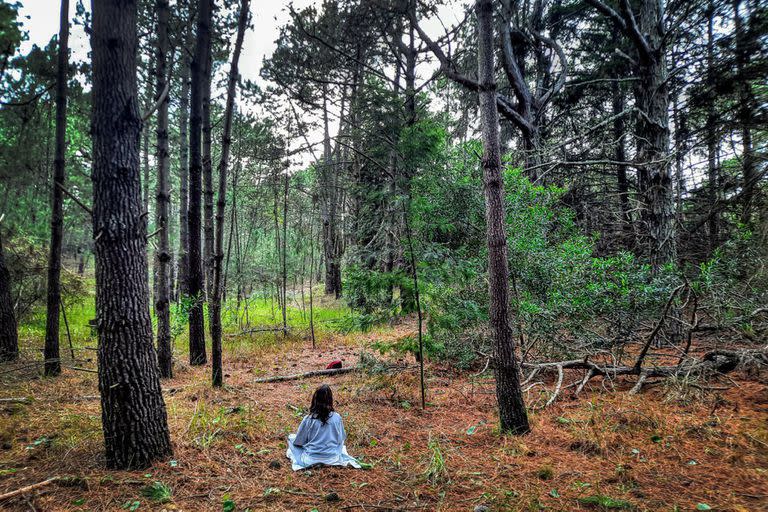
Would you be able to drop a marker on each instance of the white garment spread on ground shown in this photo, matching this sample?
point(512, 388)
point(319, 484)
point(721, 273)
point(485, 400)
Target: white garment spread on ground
point(319, 443)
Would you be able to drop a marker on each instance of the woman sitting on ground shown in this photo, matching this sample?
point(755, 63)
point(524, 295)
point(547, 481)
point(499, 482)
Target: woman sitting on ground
point(320, 438)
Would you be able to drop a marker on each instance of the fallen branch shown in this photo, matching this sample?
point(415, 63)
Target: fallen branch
point(657, 328)
point(306, 375)
point(81, 369)
point(28, 488)
point(713, 362)
point(264, 329)
point(20, 400)
point(559, 384)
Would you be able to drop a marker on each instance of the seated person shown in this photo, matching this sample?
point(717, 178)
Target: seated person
point(320, 438)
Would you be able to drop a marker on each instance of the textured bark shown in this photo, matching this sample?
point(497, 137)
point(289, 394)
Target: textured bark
point(133, 411)
point(197, 354)
point(226, 143)
point(53, 305)
point(647, 34)
point(512, 413)
point(183, 259)
point(9, 336)
point(328, 214)
point(163, 255)
point(652, 138)
point(207, 180)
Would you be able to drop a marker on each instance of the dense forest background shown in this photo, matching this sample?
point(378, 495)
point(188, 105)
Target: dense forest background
point(561, 193)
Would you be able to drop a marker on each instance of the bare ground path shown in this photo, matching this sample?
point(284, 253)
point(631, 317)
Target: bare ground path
point(661, 449)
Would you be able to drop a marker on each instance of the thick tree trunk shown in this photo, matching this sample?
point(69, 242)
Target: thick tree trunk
point(207, 181)
point(133, 411)
point(51, 351)
point(512, 413)
point(183, 258)
point(652, 139)
point(226, 142)
point(9, 336)
point(162, 219)
point(197, 354)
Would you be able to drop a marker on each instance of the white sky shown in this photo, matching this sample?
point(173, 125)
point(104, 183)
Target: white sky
point(40, 19)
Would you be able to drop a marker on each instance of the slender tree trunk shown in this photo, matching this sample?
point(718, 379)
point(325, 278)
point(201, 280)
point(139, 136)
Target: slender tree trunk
point(183, 258)
point(712, 135)
point(133, 411)
point(681, 143)
point(9, 336)
point(53, 306)
point(163, 256)
point(197, 354)
point(621, 170)
point(172, 273)
point(145, 145)
point(226, 142)
point(408, 298)
point(311, 275)
point(232, 223)
point(80, 261)
point(512, 413)
point(278, 244)
point(749, 174)
point(328, 205)
point(207, 181)
point(286, 184)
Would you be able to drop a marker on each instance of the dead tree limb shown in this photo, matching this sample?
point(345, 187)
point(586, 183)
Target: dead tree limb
point(713, 362)
point(28, 488)
point(657, 328)
point(560, 374)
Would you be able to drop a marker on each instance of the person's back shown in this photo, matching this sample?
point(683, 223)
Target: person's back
point(322, 441)
point(320, 438)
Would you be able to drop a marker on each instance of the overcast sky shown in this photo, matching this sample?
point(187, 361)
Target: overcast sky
point(40, 19)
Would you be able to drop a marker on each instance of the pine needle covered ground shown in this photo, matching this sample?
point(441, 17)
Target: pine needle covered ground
point(669, 448)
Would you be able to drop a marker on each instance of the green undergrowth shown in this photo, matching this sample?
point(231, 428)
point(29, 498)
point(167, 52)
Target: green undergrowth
point(255, 321)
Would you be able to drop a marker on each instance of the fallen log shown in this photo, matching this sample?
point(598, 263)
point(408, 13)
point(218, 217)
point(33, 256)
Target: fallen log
point(306, 375)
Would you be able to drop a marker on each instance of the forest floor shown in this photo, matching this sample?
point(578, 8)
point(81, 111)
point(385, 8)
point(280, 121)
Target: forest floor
point(669, 448)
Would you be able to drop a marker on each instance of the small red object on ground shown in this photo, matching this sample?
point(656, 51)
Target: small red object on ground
point(333, 365)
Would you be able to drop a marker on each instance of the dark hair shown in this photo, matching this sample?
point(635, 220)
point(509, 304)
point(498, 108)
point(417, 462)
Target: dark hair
point(322, 403)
